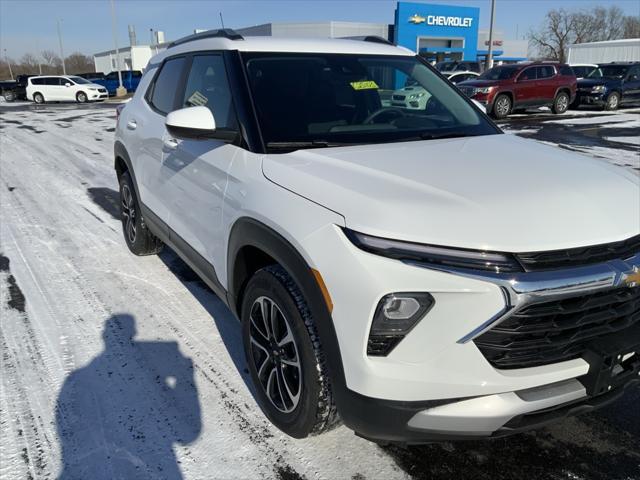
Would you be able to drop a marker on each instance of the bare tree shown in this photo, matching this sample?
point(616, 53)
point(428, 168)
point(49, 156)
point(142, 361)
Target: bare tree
point(562, 28)
point(29, 64)
point(52, 62)
point(555, 36)
point(79, 63)
point(631, 27)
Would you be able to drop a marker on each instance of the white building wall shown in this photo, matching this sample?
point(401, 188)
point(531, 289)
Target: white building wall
point(131, 58)
point(627, 50)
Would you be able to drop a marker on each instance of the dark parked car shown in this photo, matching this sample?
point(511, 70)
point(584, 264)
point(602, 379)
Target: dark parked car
point(90, 75)
point(17, 91)
point(610, 85)
point(458, 66)
point(130, 80)
point(507, 88)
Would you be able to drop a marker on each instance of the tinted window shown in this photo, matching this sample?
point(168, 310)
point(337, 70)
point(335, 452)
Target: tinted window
point(609, 71)
point(528, 74)
point(136, 74)
point(566, 70)
point(635, 71)
point(207, 85)
point(499, 73)
point(344, 98)
point(79, 80)
point(37, 81)
point(546, 72)
point(166, 84)
point(112, 76)
point(52, 81)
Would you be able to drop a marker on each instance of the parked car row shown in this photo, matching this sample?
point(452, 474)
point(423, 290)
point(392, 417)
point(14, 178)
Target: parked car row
point(81, 87)
point(508, 88)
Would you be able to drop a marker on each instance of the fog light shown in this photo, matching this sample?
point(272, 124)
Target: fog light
point(395, 316)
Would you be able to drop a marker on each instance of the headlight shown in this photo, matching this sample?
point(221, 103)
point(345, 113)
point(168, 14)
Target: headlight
point(92, 88)
point(395, 316)
point(598, 89)
point(416, 95)
point(435, 255)
point(484, 89)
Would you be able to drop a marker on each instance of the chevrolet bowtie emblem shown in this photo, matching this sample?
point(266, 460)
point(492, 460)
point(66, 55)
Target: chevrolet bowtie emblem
point(631, 279)
point(417, 19)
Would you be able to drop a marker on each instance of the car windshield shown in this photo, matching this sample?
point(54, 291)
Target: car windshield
point(499, 73)
point(609, 71)
point(582, 71)
point(308, 100)
point(79, 80)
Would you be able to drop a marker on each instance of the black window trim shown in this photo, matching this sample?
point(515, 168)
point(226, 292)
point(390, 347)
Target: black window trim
point(250, 137)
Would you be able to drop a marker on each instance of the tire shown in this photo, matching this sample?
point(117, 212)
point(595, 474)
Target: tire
point(560, 103)
point(501, 106)
point(9, 96)
point(81, 97)
point(136, 234)
point(613, 101)
point(38, 98)
point(306, 406)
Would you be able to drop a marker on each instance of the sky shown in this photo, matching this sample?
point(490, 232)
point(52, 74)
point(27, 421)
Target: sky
point(30, 25)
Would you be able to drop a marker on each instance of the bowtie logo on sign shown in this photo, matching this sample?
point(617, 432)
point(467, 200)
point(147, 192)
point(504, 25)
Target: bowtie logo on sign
point(441, 20)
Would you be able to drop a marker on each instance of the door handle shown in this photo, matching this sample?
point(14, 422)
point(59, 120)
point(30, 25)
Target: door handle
point(132, 124)
point(170, 143)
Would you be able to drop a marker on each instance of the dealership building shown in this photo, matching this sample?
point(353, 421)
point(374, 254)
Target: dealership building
point(436, 32)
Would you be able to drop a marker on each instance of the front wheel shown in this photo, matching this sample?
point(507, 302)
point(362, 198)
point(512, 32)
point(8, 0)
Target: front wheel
point(613, 101)
point(284, 355)
point(136, 234)
point(501, 106)
point(81, 97)
point(561, 103)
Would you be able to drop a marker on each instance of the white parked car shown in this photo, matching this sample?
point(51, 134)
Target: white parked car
point(58, 88)
point(582, 70)
point(413, 273)
point(412, 96)
point(457, 77)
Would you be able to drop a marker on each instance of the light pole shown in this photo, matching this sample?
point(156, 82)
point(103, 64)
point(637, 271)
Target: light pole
point(8, 63)
point(489, 63)
point(64, 68)
point(120, 91)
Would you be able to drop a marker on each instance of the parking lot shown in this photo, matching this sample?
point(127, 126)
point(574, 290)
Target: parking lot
point(77, 308)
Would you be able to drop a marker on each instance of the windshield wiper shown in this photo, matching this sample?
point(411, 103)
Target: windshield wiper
point(299, 145)
point(438, 136)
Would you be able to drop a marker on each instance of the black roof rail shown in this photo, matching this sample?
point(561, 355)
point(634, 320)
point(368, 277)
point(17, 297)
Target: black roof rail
point(221, 33)
point(369, 38)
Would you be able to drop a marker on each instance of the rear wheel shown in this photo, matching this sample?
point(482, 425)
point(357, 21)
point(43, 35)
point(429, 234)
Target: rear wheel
point(38, 98)
point(613, 101)
point(138, 237)
point(284, 355)
point(81, 97)
point(561, 103)
point(501, 106)
point(9, 96)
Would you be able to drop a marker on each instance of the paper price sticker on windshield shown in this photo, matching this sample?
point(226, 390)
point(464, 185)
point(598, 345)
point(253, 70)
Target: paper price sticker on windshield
point(365, 85)
point(197, 99)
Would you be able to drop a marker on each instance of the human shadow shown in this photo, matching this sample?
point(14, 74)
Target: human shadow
point(119, 416)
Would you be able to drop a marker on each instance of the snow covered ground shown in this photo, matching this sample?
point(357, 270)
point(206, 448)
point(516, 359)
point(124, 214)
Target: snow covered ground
point(115, 366)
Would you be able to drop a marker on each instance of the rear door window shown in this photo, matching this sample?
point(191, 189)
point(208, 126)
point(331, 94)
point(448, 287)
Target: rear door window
point(546, 71)
point(53, 81)
point(208, 86)
point(528, 74)
point(165, 85)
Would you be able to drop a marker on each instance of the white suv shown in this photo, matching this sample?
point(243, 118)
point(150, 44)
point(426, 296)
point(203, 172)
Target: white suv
point(413, 273)
point(55, 88)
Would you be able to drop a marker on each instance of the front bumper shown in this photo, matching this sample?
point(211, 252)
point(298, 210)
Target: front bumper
point(436, 383)
point(586, 98)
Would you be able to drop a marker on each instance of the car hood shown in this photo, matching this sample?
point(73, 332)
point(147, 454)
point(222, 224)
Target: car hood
point(494, 192)
point(479, 83)
point(592, 82)
point(94, 85)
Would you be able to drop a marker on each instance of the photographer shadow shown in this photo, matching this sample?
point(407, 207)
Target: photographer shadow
point(119, 416)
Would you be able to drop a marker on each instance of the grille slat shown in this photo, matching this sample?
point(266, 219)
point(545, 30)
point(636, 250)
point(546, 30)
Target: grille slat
point(559, 330)
point(535, 261)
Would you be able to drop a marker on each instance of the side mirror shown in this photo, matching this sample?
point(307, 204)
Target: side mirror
point(197, 123)
point(67, 84)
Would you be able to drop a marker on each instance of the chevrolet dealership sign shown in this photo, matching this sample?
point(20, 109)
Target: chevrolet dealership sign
point(441, 20)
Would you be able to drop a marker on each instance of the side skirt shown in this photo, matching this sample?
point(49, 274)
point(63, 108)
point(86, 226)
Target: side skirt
point(192, 258)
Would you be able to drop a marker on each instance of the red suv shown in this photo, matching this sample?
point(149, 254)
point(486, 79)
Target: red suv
point(507, 88)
